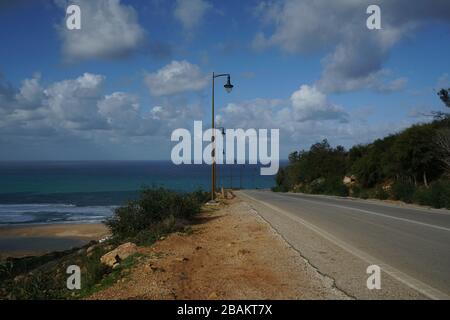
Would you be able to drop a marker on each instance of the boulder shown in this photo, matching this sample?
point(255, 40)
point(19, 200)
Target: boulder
point(118, 254)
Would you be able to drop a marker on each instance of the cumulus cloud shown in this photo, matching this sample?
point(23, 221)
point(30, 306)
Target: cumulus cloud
point(190, 13)
point(357, 54)
point(80, 109)
point(74, 101)
point(304, 119)
point(176, 77)
point(109, 29)
point(308, 103)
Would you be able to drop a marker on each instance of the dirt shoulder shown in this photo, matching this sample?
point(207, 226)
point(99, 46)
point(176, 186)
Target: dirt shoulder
point(231, 253)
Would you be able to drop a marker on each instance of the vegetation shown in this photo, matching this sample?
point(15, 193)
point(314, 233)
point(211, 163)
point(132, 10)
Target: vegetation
point(156, 213)
point(411, 166)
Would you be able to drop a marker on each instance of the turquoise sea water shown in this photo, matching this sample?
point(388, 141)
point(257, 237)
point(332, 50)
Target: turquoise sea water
point(88, 191)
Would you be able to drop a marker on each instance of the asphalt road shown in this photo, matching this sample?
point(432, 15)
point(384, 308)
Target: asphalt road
point(411, 244)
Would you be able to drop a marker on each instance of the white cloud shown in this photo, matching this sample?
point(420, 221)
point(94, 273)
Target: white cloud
point(190, 13)
point(79, 111)
point(306, 105)
point(31, 93)
point(176, 77)
point(309, 103)
point(357, 54)
point(74, 101)
point(109, 29)
point(306, 118)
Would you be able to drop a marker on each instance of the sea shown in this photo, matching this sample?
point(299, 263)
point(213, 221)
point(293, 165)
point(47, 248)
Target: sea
point(48, 192)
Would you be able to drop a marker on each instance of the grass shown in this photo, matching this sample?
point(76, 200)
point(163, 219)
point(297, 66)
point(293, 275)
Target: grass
point(157, 213)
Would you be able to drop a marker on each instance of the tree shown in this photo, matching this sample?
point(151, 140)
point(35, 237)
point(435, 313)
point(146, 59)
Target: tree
point(442, 142)
point(444, 95)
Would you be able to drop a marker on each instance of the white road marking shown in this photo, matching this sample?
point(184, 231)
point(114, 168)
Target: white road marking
point(376, 214)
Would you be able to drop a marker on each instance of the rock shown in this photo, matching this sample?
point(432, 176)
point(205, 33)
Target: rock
point(118, 254)
point(212, 296)
point(116, 265)
point(349, 180)
point(184, 259)
point(151, 268)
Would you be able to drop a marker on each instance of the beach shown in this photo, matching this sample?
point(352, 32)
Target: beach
point(19, 241)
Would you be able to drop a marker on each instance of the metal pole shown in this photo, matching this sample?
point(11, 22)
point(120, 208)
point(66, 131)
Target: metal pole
point(213, 173)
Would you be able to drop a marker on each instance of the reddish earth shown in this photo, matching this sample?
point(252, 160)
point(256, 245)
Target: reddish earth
point(231, 253)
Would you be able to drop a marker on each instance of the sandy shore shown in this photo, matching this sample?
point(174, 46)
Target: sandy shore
point(39, 239)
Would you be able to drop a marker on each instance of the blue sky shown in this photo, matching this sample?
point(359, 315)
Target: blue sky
point(139, 69)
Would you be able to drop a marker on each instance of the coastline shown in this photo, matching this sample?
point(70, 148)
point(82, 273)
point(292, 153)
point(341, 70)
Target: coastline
point(25, 240)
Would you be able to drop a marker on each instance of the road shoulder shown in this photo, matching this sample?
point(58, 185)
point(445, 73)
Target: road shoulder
point(231, 253)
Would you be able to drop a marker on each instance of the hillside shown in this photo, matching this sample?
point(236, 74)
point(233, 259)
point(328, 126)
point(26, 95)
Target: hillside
point(411, 166)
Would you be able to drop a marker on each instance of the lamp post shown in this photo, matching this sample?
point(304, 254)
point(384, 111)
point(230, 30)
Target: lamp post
point(228, 87)
point(221, 179)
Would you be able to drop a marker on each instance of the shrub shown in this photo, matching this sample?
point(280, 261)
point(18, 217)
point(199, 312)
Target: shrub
point(403, 190)
point(150, 211)
point(380, 193)
point(281, 188)
point(423, 196)
point(355, 191)
point(440, 194)
point(335, 186)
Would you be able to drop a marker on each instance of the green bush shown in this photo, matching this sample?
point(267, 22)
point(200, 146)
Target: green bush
point(380, 193)
point(364, 194)
point(281, 188)
point(356, 191)
point(423, 196)
point(334, 186)
point(436, 196)
point(403, 190)
point(440, 194)
point(148, 213)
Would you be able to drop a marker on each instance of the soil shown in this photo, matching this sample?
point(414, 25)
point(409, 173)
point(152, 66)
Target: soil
point(231, 253)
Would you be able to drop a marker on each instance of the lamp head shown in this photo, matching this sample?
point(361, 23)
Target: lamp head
point(228, 86)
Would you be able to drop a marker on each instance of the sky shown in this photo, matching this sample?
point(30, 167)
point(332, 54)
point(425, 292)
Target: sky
point(137, 70)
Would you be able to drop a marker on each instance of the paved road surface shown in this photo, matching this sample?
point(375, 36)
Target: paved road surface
point(341, 237)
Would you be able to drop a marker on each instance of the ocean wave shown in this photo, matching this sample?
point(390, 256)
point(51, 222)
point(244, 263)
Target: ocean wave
point(52, 213)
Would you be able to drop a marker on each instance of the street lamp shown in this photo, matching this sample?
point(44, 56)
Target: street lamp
point(228, 87)
point(222, 130)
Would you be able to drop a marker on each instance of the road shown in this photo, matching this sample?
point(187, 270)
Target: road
point(342, 237)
